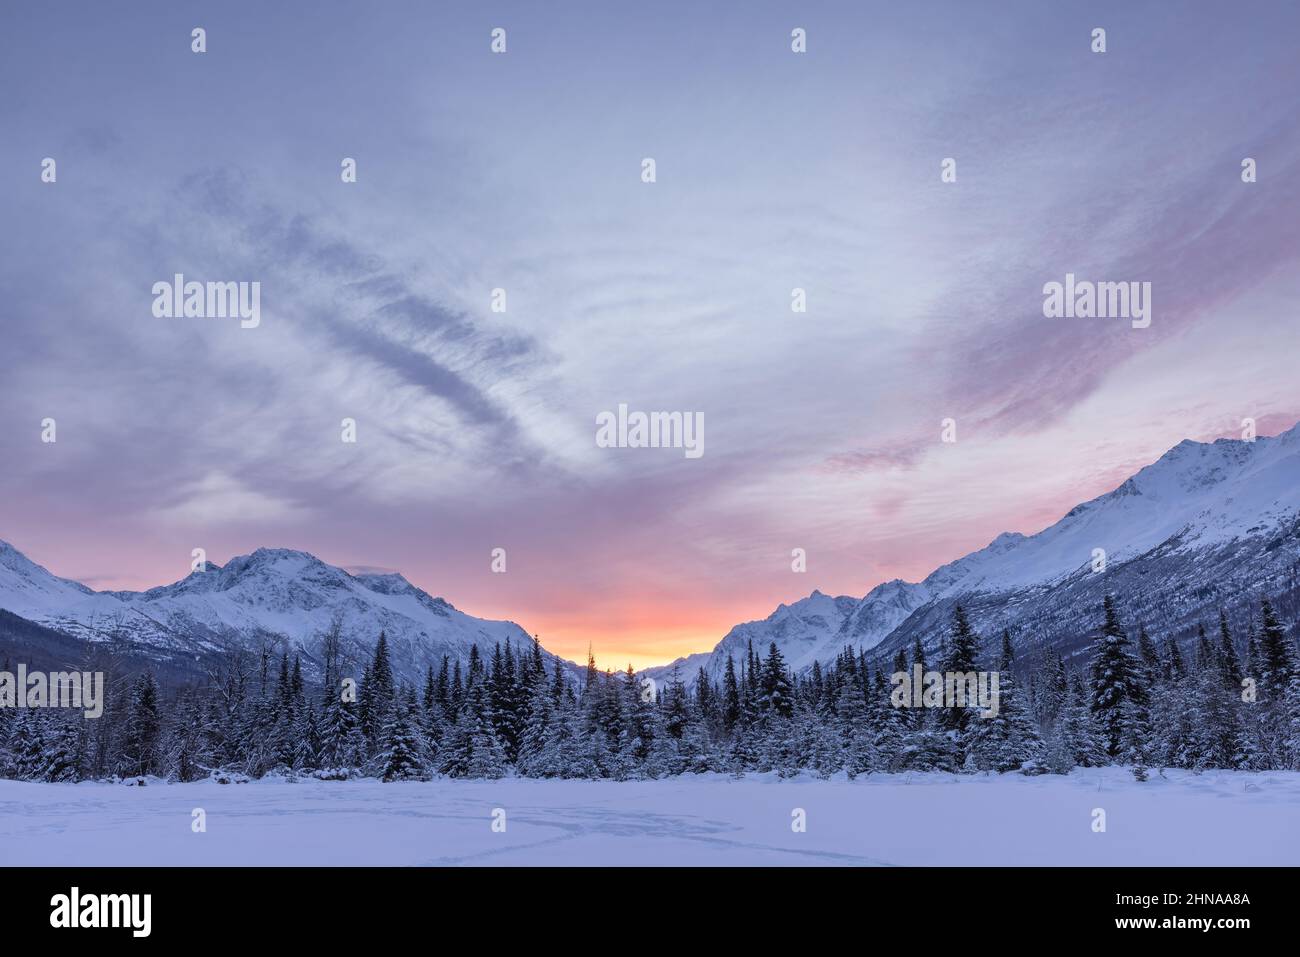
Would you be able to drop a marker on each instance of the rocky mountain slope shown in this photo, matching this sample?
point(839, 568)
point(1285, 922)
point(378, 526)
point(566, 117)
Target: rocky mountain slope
point(1208, 525)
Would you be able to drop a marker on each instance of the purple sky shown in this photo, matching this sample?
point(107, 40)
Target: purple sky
point(775, 170)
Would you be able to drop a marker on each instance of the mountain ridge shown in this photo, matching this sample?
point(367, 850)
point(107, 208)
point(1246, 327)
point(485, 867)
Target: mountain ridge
point(1206, 522)
point(1177, 503)
point(278, 597)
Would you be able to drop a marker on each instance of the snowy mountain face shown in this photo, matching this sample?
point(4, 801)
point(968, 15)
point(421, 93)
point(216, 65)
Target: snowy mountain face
point(277, 597)
point(815, 628)
point(1208, 525)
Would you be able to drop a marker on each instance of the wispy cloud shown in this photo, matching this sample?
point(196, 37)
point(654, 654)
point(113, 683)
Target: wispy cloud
point(475, 428)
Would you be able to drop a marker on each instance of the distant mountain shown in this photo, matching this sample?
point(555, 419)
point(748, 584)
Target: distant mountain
point(1208, 525)
point(277, 597)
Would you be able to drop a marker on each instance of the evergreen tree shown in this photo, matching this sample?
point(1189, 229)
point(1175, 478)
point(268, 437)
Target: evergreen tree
point(1116, 690)
point(343, 743)
point(1274, 655)
point(471, 748)
point(730, 697)
point(377, 694)
point(959, 660)
point(533, 761)
point(140, 748)
point(638, 733)
point(403, 756)
point(891, 725)
point(857, 749)
point(27, 745)
point(63, 749)
point(191, 755)
point(1006, 740)
point(776, 699)
point(1229, 662)
point(1073, 742)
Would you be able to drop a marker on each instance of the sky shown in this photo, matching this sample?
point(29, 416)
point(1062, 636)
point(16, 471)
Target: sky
point(522, 171)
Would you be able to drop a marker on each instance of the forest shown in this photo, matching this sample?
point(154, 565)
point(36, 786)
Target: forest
point(1227, 701)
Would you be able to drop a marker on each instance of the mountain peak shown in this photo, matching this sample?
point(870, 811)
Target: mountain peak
point(264, 554)
point(270, 594)
point(1198, 499)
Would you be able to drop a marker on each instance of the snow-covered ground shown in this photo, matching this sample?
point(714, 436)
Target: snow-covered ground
point(1217, 818)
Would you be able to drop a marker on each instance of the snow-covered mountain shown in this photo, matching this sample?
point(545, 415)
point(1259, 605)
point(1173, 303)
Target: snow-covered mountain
point(273, 596)
point(1208, 525)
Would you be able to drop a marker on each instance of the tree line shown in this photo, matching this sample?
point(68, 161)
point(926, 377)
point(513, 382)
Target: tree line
point(1229, 702)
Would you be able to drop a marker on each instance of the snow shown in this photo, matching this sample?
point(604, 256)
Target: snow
point(1206, 492)
point(1198, 495)
point(272, 591)
point(1180, 819)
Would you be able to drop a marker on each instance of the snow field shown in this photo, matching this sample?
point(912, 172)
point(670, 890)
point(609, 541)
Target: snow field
point(1182, 819)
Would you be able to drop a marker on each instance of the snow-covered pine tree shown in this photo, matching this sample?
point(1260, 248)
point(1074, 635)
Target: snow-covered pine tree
point(444, 693)
point(533, 761)
point(402, 757)
point(1229, 660)
point(1073, 742)
point(1116, 687)
point(63, 748)
point(377, 694)
point(27, 745)
point(471, 748)
point(140, 748)
point(730, 697)
point(1053, 689)
point(963, 647)
point(890, 725)
point(343, 744)
point(307, 734)
point(776, 698)
point(1274, 654)
point(1213, 719)
point(431, 717)
point(190, 755)
point(637, 734)
point(1009, 740)
point(844, 734)
point(696, 748)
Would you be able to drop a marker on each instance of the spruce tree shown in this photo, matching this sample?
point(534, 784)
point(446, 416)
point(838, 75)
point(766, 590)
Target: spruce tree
point(1274, 655)
point(471, 748)
point(1007, 740)
point(857, 750)
point(1229, 662)
point(403, 756)
point(730, 697)
point(960, 660)
point(532, 758)
point(27, 745)
point(343, 744)
point(63, 749)
point(377, 694)
point(776, 700)
point(1116, 691)
point(1073, 741)
point(144, 725)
